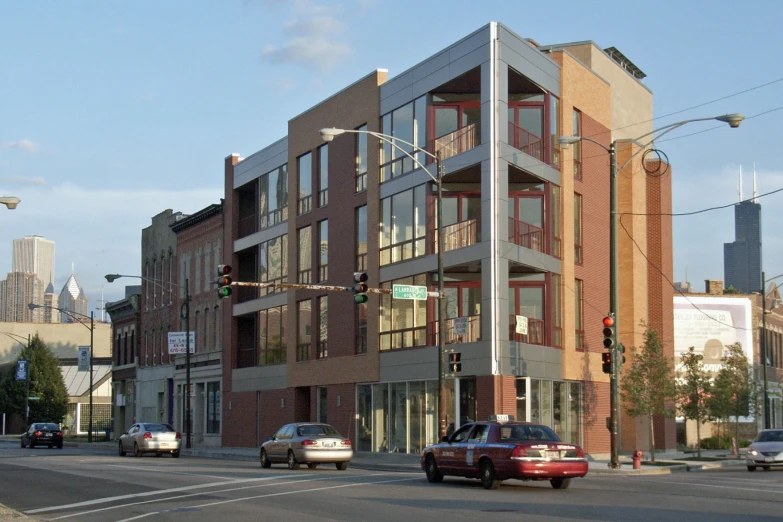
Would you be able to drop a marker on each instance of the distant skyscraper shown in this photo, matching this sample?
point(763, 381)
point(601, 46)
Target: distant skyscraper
point(35, 254)
point(72, 298)
point(742, 257)
point(16, 292)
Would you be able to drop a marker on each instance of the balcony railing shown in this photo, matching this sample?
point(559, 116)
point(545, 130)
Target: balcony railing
point(533, 145)
point(456, 142)
point(526, 235)
point(247, 225)
point(459, 235)
point(472, 334)
point(536, 331)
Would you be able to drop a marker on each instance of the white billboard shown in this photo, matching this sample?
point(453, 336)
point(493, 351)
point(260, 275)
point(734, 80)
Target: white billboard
point(178, 342)
point(709, 323)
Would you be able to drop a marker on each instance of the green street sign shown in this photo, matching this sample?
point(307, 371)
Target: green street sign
point(33, 398)
point(418, 293)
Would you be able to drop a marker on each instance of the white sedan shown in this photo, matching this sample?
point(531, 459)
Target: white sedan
point(151, 437)
point(766, 450)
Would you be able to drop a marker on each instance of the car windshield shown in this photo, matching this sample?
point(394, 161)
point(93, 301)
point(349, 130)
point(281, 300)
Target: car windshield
point(158, 427)
point(770, 436)
point(317, 430)
point(519, 432)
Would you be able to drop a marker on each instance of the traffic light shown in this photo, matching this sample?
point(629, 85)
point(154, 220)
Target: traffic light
point(455, 366)
point(606, 362)
point(360, 288)
point(224, 281)
point(608, 332)
point(620, 354)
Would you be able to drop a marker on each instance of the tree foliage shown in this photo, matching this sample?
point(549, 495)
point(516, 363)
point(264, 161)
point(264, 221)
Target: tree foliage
point(694, 388)
point(46, 382)
point(732, 388)
point(648, 385)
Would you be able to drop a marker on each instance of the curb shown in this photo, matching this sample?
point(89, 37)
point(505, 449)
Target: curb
point(679, 467)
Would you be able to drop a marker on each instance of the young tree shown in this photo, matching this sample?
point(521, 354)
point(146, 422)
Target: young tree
point(46, 382)
point(693, 389)
point(732, 387)
point(648, 385)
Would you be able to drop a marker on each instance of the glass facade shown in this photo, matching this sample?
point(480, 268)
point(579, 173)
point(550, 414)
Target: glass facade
point(557, 404)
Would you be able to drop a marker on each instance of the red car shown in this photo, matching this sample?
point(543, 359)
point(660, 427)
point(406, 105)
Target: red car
point(501, 449)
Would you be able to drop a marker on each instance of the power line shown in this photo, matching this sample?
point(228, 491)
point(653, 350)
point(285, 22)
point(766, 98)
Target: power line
point(702, 210)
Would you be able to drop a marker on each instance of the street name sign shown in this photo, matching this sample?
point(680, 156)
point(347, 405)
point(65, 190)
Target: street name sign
point(418, 293)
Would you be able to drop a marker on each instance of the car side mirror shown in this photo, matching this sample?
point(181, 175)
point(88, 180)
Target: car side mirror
point(444, 438)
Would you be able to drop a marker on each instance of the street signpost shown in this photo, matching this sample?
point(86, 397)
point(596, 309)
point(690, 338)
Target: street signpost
point(418, 293)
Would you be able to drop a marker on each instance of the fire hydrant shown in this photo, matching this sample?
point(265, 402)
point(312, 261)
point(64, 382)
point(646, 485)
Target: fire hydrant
point(637, 459)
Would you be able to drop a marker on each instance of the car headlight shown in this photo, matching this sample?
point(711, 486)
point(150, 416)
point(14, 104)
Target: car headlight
point(752, 451)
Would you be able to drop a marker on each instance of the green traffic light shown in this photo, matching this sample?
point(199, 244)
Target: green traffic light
point(224, 291)
point(360, 298)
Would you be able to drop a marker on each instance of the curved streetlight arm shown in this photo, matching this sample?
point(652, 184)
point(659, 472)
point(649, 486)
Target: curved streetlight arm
point(567, 141)
point(329, 134)
point(112, 277)
point(10, 335)
point(69, 313)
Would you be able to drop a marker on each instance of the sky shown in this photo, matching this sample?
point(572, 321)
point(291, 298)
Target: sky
point(112, 112)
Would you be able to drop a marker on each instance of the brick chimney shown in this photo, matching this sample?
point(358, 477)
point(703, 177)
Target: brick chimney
point(714, 286)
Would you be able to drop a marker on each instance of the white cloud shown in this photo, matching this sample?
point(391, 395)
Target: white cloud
point(16, 179)
point(23, 145)
point(315, 38)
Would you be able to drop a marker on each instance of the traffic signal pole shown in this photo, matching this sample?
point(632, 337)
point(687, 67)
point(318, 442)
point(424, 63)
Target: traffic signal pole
point(614, 389)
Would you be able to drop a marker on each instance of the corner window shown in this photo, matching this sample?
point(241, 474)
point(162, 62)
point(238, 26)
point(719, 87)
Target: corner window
point(305, 170)
point(577, 131)
point(403, 226)
point(305, 271)
point(361, 238)
point(323, 175)
point(323, 250)
point(361, 159)
point(577, 228)
point(403, 323)
point(408, 125)
point(323, 327)
point(303, 339)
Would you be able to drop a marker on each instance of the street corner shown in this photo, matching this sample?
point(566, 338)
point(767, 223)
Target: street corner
point(7, 514)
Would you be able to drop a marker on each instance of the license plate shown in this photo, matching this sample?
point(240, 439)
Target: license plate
point(769, 459)
point(328, 444)
point(47, 435)
point(164, 444)
point(553, 454)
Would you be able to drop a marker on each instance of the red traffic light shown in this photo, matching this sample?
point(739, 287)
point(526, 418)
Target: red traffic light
point(608, 321)
point(360, 277)
point(223, 270)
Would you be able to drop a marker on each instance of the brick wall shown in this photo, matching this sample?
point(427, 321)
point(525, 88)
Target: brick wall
point(596, 409)
point(240, 419)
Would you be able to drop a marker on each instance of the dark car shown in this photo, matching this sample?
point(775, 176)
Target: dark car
point(43, 434)
point(501, 449)
point(310, 443)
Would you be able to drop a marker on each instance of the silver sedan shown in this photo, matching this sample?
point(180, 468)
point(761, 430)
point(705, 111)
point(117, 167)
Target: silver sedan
point(150, 437)
point(766, 450)
point(310, 443)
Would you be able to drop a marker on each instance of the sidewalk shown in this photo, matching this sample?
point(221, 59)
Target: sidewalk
point(409, 463)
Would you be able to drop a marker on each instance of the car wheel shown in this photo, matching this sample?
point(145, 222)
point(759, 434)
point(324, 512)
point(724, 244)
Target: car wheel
point(342, 466)
point(488, 477)
point(433, 472)
point(59, 445)
point(560, 483)
point(265, 462)
point(136, 450)
point(751, 468)
point(122, 450)
point(293, 464)
point(312, 465)
point(175, 454)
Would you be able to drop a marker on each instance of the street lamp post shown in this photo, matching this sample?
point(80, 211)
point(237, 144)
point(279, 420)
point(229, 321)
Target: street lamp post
point(763, 354)
point(328, 134)
point(734, 121)
point(184, 314)
point(71, 314)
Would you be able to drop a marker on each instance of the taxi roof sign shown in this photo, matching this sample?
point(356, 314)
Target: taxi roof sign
point(501, 418)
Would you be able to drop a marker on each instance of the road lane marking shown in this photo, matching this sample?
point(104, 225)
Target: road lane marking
point(209, 504)
point(163, 470)
point(191, 495)
point(716, 486)
point(146, 494)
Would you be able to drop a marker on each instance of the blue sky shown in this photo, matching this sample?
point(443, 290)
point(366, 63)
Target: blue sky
point(111, 112)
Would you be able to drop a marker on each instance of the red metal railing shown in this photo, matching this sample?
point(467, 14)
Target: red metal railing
point(472, 333)
point(533, 145)
point(456, 142)
point(526, 235)
point(536, 331)
point(459, 235)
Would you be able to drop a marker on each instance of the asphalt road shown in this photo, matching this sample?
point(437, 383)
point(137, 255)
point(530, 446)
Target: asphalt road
point(83, 485)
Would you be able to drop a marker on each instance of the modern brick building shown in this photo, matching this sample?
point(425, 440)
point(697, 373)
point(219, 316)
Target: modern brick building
point(526, 242)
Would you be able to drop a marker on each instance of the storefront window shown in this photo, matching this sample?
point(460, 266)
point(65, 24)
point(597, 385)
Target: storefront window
point(557, 404)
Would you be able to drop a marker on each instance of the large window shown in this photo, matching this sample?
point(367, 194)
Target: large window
point(271, 340)
point(273, 197)
point(557, 311)
point(305, 265)
point(462, 300)
point(213, 407)
point(579, 313)
point(361, 159)
point(304, 319)
point(323, 250)
point(403, 322)
point(323, 327)
point(273, 264)
point(407, 123)
point(577, 228)
point(526, 306)
point(577, 147)
point(557, 404)
point(323, 175)
point(305, 169)
point(361, 238)
point(403, 226)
